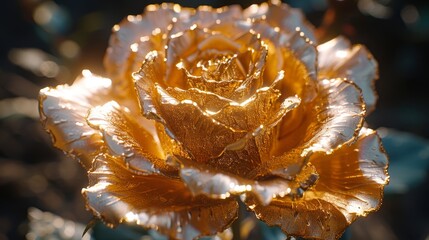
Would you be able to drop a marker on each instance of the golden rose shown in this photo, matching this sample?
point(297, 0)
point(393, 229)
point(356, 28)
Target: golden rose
point(206, 104)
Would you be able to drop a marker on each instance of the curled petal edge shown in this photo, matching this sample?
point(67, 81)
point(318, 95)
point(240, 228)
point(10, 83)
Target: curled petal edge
point(338, 58)
point(63, 111)
point(130, 137)
point(326, 209)
point(117, 195)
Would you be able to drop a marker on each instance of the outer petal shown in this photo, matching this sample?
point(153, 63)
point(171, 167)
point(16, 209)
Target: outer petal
point(63, 111)
point(331, 120)
point(339, 116)
point(337, 58)
point(219, 184)
point(132, 137)
point(131, 29)
point(296, 41)
point(350, 185)
point(280, 15)
point(312, 218)
point(117, 195)
point(295, 54)
point(206, 16)
point(355, 177)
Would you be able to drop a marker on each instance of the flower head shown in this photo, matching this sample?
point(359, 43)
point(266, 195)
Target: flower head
point(205, 104)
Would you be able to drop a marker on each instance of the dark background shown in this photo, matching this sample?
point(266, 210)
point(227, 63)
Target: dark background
point(46, 43)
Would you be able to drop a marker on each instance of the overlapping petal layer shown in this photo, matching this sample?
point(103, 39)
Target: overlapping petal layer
point(63, 112)
point(229, 125)
point(116, 195)
point(292, 51)
point(337, 58)
point(131, 137)
point(350, 184)
point(281, 16)
point(130, 31)
point(331, 120)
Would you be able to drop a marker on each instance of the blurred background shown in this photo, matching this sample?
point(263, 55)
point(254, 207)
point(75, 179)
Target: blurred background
point(48, 42)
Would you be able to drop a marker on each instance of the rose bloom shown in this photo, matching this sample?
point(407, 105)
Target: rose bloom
point(203, 105)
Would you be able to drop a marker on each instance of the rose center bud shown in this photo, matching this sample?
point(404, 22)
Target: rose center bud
point(213, 62)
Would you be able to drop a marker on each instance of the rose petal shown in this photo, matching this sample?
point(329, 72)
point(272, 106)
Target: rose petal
point(206, 16)
point(126, 48)
point(339, 117)
point(63, 111)
point(180, 117)
point(132, 137)
point(255, 69)
point(151, 72)
point(185, 121)
point(337, 58)
point(355, 177)
point(232, 29)
point(126, 95)
point(153, 201)
point(211, 101)
point(224, 88)
point(241, 158)
point(264, 102)
point(179, 47)
point(218, 184)
point(295, 54)
point(140, 49)
point(312, 218)
point(188, 47)
point(332, 119)
point(157, 104)
point(240, 115)
point(240, 155)
point(130, 30)
point(351, 182)
point(243, 155)
point(176, 108)
point(236, 75)
point(280, 15)
point(189, 52)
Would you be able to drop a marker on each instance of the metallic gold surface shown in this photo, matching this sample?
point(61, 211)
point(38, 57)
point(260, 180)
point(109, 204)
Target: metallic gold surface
point(350, 185)
point(63, 113)
point(116, 195)
point(206, 104)
point(337, 58)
